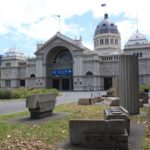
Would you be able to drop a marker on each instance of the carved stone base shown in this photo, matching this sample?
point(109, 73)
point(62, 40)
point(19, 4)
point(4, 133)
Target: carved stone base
point(38, 115)
point(105, 141)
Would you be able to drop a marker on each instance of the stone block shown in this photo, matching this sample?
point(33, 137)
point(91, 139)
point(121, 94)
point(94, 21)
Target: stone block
point(99, 133)
point(97, 99)
point(86, 101)
point(118, 113)
point(111, 101)
point(106, 141)
point(41, 105)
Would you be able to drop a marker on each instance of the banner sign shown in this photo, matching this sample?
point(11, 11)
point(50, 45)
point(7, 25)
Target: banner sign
point(62, 72)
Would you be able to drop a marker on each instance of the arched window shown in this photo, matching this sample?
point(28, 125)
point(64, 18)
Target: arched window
point(101, 41)
point(112, 41)
point(106, 41)
point(141, 54)
point(63, 57)
point(89, 73)
point(32, 75)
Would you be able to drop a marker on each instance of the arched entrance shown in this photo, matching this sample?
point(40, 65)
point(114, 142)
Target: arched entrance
point(59, 69)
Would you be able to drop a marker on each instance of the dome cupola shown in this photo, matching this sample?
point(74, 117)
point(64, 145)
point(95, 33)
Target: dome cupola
point(106, 26)
point(106, 37)
point(136, 39)
point(13, 53)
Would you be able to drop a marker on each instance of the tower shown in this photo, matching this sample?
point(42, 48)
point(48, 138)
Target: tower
point(106, 37)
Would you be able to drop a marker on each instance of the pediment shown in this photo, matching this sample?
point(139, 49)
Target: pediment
point(59, 40)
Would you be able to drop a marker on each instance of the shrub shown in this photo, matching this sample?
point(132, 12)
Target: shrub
point(35, 91)
point(20, 93)
point(144, 87)
point(5, 94)
point(23, 92)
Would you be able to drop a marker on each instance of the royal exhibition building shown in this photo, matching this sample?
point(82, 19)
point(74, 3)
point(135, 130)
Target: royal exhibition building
point(66, 64)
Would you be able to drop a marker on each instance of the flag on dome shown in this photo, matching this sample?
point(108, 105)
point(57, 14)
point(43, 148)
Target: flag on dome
point(103, 5)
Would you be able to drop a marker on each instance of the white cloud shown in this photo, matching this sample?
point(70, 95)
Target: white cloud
point(126, 29)
point(38, 15)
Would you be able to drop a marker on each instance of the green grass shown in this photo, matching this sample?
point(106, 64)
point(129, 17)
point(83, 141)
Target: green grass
point(46, 136)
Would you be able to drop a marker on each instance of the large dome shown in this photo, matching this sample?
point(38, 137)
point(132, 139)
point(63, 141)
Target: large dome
point(137, 38)
point(106, 26)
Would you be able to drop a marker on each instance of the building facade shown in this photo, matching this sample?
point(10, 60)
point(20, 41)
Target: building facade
point(66, 64)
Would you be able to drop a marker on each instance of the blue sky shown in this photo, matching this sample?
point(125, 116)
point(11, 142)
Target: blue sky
point(23, 23)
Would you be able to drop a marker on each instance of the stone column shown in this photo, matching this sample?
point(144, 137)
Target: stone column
point(129, 83)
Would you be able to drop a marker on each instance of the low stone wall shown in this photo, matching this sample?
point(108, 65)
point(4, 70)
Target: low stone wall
point(41, 105)
point(99, 133)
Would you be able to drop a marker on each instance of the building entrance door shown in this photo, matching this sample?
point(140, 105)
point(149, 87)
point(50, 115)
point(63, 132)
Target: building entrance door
point(65, 84)
point(56, 84)
point(107, 83)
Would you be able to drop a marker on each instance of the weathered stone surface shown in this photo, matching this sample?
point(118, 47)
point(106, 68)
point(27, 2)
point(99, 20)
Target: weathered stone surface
point(86, 101)
point(129, 83)
point(118, 113)
point(99, 133)
point(41, 105)
point(116, 93)
point(134, 141)
point(97, 99)
point(144, 96)
point(111, 101)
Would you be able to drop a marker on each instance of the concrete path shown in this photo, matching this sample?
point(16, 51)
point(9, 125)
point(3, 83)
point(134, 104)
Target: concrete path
point(11, 106)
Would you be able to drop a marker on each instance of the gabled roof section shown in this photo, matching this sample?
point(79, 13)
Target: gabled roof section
point(76, 43)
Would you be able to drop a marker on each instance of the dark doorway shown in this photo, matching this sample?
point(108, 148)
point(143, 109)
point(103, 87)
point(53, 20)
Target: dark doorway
point(65, 84)
point(22, 83)
point(56, 84)
point(107, 83)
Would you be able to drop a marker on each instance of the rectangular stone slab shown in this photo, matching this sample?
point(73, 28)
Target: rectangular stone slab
point(32, 101)
point(79, 127)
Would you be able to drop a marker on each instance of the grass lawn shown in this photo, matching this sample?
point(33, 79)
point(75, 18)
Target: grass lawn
point(46, 136)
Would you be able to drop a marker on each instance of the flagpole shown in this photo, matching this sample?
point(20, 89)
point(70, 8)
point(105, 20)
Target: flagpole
point(137, 27)
point(58, 23)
